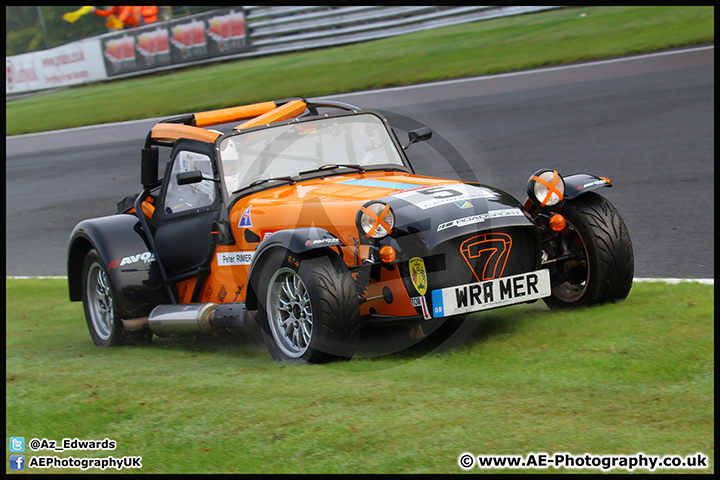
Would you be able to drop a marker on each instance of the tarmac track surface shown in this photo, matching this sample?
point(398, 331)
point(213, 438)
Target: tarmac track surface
point(645, 122)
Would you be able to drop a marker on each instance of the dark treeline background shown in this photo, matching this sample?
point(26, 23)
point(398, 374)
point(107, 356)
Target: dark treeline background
point(28, 29)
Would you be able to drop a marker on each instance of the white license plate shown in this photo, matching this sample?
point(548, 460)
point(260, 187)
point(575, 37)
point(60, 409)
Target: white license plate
point(491, 293)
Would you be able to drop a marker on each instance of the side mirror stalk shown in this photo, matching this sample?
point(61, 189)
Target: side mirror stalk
point(419, 135)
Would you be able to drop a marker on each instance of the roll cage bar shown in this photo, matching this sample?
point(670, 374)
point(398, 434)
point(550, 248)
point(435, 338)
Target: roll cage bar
point(194, 125)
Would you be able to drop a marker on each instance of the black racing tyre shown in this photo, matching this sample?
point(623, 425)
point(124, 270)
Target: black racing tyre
point(597, 234)
point(99, 296)
point(308, 308)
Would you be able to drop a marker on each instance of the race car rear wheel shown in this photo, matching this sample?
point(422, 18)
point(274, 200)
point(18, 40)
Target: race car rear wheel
point(600, 261)
point(99, 304)
point(308, 308)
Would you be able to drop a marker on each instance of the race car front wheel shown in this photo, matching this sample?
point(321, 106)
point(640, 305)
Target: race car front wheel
point(591, 261)
point(308, 308)
point(99, 304)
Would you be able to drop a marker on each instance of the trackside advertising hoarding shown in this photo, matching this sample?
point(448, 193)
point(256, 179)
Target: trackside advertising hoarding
point(71, 64)
point(197, 37)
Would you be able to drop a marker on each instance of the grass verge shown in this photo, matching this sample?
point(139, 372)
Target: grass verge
point(492, 46)
point(632, 377)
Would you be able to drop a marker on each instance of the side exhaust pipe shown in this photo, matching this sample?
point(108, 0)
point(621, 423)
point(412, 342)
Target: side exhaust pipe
point(171, 320)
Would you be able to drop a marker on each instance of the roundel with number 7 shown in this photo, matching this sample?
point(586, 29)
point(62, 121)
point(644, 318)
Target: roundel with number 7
point(487, 254)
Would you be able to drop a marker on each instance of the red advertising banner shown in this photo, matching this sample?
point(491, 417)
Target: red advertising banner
point(198, 37)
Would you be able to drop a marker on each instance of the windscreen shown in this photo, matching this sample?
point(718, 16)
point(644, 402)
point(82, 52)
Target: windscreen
point(287, 150)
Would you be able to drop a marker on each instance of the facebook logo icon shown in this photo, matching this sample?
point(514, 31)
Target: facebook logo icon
point(17, 462)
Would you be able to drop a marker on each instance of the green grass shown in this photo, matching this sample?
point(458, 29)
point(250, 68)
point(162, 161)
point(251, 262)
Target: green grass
point(632, 377)
point(486, 47)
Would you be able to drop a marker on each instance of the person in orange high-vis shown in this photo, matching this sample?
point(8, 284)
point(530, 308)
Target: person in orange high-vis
point(149, 14)
point(130, 16)
point(106, 13)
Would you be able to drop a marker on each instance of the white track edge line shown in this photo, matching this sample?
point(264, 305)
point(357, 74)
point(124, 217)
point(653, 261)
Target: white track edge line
point(669, 281)
point(674, 281)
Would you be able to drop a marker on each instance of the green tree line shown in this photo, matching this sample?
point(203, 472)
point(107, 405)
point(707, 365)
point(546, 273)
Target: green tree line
point(28, 29)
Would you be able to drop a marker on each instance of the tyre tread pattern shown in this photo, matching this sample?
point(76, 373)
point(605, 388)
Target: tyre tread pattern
point(335, 303)
point(613, 245)
point(338, 306)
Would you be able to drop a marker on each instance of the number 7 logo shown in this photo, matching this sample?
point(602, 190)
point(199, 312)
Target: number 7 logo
point(488, 251)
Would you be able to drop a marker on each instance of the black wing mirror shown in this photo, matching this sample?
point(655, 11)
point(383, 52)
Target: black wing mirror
point(149, 167)
point(418, 135)
point(193, 176)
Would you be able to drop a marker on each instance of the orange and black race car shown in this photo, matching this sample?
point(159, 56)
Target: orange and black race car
point(309, 219)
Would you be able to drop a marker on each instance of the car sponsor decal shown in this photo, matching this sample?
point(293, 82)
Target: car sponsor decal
point(493, 293)
point(425, 310)
point(380, 184)
point(323, 241)
point(245, 221)
point(435, 196)
point(145, 257)
point(493, 248)
point(418, 276)
point(234, 258)
point(464, 205)
point(462, 222)
point(422, 303)
point(266, 233)
point(596, 182)
point(222, 294)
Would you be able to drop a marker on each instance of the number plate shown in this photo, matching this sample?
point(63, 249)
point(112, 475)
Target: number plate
point(491, 293)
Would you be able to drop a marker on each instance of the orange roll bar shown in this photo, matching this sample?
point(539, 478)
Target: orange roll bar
point(289, 110)
point(232, 114)
point(173, 131)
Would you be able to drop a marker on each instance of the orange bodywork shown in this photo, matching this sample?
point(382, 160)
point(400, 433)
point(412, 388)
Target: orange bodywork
point(147, 207)
point(325, 203)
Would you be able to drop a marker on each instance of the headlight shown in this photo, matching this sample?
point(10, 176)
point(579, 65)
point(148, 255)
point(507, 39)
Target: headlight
point(546, 188)
point(375, 220)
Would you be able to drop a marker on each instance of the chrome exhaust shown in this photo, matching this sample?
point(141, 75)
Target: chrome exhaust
point(168, 320)
point(171, 320)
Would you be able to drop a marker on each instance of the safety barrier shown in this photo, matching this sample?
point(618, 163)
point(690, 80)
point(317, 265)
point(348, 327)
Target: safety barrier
point(282, 29)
